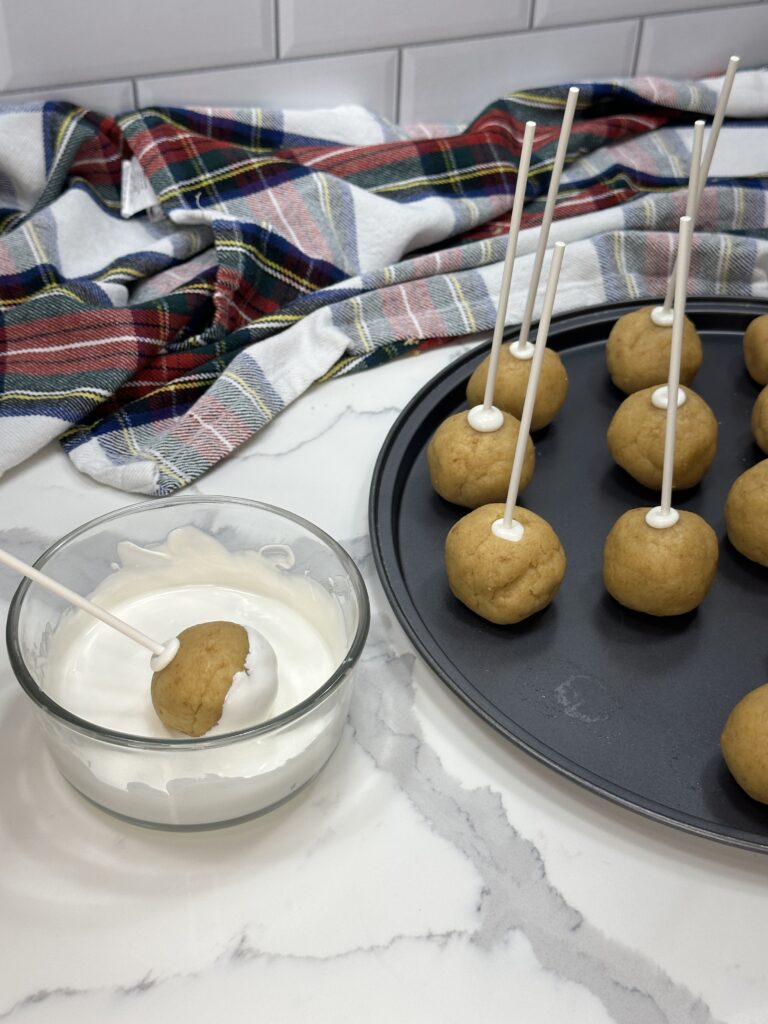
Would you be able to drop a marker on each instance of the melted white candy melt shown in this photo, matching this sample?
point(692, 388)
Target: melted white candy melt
point(296, 634)
point(253, 691)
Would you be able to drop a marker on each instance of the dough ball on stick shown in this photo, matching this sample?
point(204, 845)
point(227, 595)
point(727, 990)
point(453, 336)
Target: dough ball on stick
point(470, 455)
point(756, 349)
point(636, 437)
point(638, 351)
point(746, 513)
point(503, 562)
point(659, 572)
point(760, 420)
point(471, 467)
point(512, 382)
point(511, 379)
point(639, 345)
point(661, 561)
point(503, 581)
point(744, 743)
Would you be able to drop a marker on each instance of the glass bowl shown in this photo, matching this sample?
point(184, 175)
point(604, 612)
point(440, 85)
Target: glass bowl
point(189, 783)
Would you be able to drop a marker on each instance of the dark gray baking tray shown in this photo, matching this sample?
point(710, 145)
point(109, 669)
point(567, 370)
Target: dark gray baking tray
point(629, 706)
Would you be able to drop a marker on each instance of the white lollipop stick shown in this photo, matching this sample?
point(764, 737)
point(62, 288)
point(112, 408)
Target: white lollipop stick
point(691, 205)
point(660, 396)
point(664, 515)
point(522, 348)
point(662, 315)
point(163, 653)
point(487, 417)
point(509, 528)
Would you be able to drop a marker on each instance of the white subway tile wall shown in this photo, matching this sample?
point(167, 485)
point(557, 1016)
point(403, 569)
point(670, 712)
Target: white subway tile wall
point(324, 82)
point(331, 26)
point(51, 44)
point(440, 82)
point(697, 40)
point(408, 60)
point(106, 97)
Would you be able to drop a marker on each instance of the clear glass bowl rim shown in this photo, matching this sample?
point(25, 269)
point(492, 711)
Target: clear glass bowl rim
point(41, 698)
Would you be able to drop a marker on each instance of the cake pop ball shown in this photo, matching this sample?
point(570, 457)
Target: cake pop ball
point(636, 439)
point(756, 349)
point(503, 581)
point(659, 572)
point(221, 671)
point(746, 513)
point(471, 467)
point(744, 743)
point(638, 352)
point(512, 382)
point(760, 419)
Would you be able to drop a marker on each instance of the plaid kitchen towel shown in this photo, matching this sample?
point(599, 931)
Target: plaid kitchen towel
point(284, 248)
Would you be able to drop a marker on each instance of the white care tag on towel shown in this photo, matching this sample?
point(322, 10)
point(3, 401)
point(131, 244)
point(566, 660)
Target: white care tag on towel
point(136, 193)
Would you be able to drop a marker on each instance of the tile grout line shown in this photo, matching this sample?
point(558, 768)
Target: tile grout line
point(135, 93)
point(398, 83)
point(276, 28)
point(636, 53)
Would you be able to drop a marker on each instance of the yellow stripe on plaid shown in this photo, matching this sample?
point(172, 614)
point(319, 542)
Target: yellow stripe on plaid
point(281, 272)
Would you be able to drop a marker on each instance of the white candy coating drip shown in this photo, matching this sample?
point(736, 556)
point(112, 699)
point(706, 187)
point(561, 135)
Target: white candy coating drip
point(662, 316)
point(524, 351)
point(160, 661)
point(660, 519)
point(485, 421)
point(660, 397)
point(513, 532)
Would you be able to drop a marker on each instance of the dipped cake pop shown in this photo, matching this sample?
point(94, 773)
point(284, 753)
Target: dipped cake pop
point(195, 672)
point(218, 665)
point(470, 455)
point(756, 349)
point(471, 467)
point(661, 561)
point(514, 368)
point(636, 437)
point(746, 513)
point(503, 562)
point(744, 743)
point(760, 420)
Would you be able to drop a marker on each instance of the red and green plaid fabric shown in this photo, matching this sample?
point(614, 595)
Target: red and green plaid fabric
point(293, 247)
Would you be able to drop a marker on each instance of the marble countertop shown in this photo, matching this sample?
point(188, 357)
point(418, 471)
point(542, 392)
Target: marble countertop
point(432, 872)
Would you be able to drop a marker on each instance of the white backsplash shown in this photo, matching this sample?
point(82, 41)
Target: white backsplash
point(409, 60)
